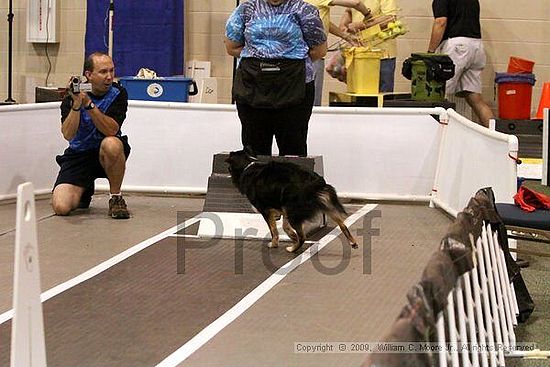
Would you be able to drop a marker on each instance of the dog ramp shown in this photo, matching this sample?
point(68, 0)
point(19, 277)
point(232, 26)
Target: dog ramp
point(228, 214)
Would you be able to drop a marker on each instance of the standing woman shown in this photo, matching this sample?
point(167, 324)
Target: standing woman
point(277, 42)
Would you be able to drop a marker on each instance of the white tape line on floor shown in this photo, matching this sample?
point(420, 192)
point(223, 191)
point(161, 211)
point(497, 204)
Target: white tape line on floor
point(104, 266)
point(229, 316)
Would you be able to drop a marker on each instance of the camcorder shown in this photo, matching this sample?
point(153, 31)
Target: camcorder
point(80, 84)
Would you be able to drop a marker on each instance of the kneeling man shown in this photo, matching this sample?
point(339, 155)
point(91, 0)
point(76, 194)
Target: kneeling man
point(91, 123)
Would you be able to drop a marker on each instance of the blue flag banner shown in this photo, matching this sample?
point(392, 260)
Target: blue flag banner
point(97, 26)
point(146, 34)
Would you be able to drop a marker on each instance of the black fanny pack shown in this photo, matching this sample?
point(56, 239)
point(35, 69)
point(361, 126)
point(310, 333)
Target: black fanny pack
point(438, 67)
point(273, 83)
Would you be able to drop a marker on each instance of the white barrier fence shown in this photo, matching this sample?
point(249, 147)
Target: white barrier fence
point(472, 157)
point(30, 139)
point(478, 323)
point(369, 153)
point(464, 308)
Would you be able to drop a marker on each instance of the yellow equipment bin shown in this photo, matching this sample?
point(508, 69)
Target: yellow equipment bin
point(363, 69)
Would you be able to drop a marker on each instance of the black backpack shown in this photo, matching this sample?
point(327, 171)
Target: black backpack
point(439, 68)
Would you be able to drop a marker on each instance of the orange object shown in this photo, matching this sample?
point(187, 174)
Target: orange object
point(514, 101)
point(530, 200)
point(544, 100)
point(519, 65)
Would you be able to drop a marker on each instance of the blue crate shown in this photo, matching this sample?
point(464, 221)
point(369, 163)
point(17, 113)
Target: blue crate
point(167, 89)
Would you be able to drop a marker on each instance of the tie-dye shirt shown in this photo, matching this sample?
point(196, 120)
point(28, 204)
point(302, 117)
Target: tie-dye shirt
point(286, 31)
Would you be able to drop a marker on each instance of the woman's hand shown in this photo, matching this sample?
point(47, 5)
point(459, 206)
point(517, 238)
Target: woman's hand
point(233, 48)
point(318, 52)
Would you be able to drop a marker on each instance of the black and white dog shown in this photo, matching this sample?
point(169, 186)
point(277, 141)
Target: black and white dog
point(283, 188)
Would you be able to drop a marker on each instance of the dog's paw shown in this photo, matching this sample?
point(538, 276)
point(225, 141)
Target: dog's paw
point(294, 247)
point(272, 244)
point(291, 248)
point(354, 246)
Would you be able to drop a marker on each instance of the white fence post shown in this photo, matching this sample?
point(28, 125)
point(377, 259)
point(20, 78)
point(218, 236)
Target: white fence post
point(27, 334)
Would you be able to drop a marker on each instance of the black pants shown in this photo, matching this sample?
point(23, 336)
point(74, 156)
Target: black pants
point(288, 125)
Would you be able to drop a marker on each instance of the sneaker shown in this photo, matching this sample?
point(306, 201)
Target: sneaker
point(117, 208)
point(86, 197)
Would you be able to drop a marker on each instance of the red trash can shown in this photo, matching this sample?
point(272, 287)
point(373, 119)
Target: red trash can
point(514, 95)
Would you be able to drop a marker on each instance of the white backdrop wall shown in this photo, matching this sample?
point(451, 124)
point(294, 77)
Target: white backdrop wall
point(367, 152)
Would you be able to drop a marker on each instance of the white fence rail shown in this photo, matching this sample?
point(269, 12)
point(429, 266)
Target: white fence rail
point(463, 311)
point(369, 153)
point(478, 323)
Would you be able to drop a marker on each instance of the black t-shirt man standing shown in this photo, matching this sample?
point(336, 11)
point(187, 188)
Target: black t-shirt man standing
point(456, 31)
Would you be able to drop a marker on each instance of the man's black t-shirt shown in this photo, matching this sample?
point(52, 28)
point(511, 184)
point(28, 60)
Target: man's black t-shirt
point(462, 17)
point(117, 109)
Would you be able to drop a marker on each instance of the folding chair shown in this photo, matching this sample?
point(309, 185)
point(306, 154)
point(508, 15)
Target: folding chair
point(536, 223)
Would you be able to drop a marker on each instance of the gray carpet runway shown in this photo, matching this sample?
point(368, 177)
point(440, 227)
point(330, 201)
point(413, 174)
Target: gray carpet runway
point(141, 310)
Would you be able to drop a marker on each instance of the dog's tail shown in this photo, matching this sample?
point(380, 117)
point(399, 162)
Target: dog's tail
point(329, 200)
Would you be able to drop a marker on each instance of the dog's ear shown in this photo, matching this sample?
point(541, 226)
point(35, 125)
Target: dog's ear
point(250, 152)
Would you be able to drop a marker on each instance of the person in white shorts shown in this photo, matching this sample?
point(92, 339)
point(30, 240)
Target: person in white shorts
point(456, 31)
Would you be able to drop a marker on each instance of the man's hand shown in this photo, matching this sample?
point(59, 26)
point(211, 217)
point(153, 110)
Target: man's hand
point(356, 27)
point(367, 14)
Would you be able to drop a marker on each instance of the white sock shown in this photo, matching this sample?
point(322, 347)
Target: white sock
point(111, 195)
